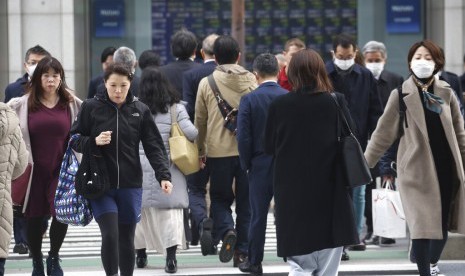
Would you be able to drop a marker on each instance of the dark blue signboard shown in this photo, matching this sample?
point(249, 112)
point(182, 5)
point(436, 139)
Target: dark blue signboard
point(403, 16)
point(268, 23)
point(109, 18)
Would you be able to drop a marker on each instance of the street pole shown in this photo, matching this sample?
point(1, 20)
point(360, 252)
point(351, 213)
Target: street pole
point(238, 26)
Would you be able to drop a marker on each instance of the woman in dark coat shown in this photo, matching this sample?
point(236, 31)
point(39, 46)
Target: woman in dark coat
point(314, 213)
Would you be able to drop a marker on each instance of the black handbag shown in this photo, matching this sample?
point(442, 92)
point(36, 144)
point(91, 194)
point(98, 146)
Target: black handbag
point(354, 164)
point(228, 112)
point(92, 179)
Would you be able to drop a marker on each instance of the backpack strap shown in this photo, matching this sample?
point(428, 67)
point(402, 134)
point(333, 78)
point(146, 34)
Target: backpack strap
point(402, 112)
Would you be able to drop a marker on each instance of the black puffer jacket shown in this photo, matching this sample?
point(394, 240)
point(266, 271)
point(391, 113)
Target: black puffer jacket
point(130, 124)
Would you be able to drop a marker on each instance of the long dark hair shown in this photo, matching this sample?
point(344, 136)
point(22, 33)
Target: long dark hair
point(156, 91)
point(35, 88)
point(307, 70)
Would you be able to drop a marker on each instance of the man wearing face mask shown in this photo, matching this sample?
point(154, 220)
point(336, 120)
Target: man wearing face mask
point(375, 56)
point(33, 56)
point(359, 87)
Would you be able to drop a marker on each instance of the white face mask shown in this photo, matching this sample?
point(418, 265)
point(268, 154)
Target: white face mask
point(344, 64)
point(30, 70)
point(376, 68)
point(422, 68)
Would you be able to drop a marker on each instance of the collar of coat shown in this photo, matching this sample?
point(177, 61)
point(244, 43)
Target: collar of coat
point(415, 107)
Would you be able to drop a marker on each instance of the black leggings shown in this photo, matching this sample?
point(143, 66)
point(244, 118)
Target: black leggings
point(428, 252)
point(117, 245)
point(57, 235)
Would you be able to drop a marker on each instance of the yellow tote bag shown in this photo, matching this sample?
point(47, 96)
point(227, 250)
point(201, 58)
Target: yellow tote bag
point(184, 153)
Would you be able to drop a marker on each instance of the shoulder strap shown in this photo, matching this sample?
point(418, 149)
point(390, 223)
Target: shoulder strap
point(402, 112)
point(341, 112)
point(223, 105)
point(173, 114)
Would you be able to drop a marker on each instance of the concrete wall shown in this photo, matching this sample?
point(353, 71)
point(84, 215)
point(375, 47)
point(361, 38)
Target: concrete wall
point(445, 27)
point(49, 23)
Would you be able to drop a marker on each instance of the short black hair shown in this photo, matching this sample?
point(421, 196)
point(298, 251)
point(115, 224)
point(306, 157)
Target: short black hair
point(344, 41)
point(118, 69)
point(183, 44)
point(36, 50)
point(226, 50)
point(148, 58)
point(266, 65)
point(109, 51)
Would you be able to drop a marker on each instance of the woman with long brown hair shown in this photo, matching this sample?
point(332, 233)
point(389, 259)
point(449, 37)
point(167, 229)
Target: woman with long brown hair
point(301, 134)
point(46, 113)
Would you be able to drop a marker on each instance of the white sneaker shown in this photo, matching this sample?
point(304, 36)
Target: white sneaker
point(434, 269)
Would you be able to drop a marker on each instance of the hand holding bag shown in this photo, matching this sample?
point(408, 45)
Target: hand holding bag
point(388, 213)
point(70, 207)
point(184, 153)
point(354, 163)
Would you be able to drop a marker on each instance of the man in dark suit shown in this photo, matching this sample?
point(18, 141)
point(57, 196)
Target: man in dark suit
point(197, 182)
point(106, 58)
point(375, 56)
point(253, 110)
point(33, 56)
point(183, 45)
point(454, 81)
point(359, 87)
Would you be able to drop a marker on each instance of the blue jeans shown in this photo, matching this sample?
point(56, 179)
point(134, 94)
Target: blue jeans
point(358, 197)
point(223, 172)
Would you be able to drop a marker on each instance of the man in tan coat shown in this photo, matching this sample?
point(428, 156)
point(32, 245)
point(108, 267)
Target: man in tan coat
point(219, 145)
point(13, 162)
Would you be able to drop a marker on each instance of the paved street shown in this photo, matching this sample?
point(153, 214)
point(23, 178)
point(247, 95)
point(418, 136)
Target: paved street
point(81, 256)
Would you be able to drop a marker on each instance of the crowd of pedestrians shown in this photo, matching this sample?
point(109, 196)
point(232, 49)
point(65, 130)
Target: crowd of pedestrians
point(261, 134)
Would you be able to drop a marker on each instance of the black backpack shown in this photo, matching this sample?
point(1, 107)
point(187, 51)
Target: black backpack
point(402, 114)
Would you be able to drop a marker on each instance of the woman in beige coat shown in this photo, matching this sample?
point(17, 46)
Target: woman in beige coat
point(13, 162)
point(430, 155)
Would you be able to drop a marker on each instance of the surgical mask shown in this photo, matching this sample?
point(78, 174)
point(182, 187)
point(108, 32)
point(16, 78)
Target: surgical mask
point(422, 68)
point(344, 64)
point(30, 70)
point(376, 68)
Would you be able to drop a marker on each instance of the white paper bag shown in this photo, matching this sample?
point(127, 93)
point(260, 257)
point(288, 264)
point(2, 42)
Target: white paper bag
point(388, 213)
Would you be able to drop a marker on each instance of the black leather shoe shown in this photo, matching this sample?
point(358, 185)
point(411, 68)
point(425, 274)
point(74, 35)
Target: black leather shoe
point(358, 247)
point(20, 248)
point(227, 248)
point(171, 266)
point(141, 261)
point(387, 241)
point(38, 267)
point(206, 239)
point(374, 240)
point(239, 258)
point(141, 258)
point(213, 250)
point(253, 269)
point(345, 255)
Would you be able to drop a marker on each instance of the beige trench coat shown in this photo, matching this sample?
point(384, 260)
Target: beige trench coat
point(417, 177)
